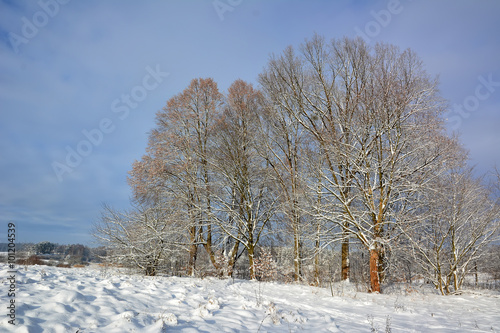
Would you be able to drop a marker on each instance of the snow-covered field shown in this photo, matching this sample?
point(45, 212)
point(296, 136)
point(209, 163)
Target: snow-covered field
point(50, 299)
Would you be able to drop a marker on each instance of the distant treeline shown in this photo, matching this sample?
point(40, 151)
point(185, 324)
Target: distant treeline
point(19, 246)
point(75, 252)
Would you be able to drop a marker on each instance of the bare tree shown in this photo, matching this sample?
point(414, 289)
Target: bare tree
point(345, 144)
point(283, 142)
point(374, 117)
point(245, 200)
point(177, 160)
point(461, 222)
point(143, 236)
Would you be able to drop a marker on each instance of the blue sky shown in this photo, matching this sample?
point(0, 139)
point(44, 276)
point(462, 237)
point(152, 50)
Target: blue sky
point(87, 77)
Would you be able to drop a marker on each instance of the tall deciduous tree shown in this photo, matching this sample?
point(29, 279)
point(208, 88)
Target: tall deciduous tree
point(177, 160)
point(374, 116)
point(246, 200)
point(282, 145)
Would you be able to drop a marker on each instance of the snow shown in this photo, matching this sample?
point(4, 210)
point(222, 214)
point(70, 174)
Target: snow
point(91, 299)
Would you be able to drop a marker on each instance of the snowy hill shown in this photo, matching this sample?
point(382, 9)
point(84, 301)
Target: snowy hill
point(50, 299)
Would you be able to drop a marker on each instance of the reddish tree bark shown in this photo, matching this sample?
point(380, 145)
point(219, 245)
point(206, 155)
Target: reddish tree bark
point(374, 274)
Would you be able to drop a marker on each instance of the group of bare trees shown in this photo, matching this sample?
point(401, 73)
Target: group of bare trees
point(342, 143)
point(453, 229)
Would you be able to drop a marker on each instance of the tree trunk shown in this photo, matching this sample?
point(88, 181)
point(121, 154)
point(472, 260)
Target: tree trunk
point(374, 274)
point(296, 255)
point(193, 251)
point(208, 244)
point(381, 264)
point(208, 247)
point(318, 241)
point(316, 260)
point(475, 274)
point(455, 280)
point(232, 259)
point(251, 262)
point(345, 269)
point(439, 276)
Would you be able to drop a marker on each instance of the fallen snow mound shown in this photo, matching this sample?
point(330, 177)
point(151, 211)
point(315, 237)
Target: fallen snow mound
point(50, 299)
